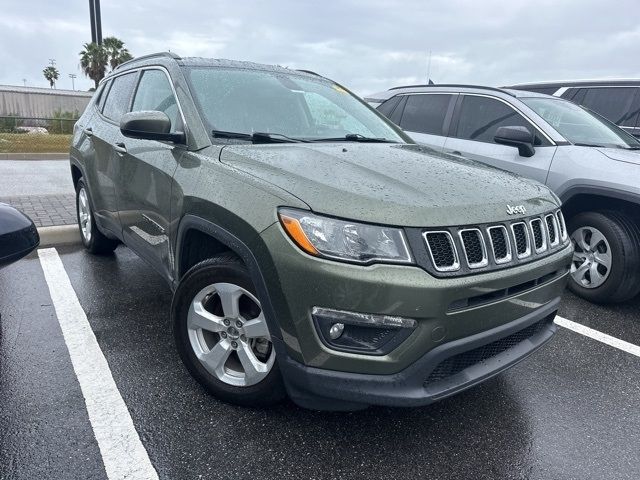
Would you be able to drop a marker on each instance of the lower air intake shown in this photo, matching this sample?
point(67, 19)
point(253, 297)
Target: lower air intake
point(458, 363)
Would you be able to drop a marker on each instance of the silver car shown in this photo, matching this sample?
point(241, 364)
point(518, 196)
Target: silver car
point(591, 164)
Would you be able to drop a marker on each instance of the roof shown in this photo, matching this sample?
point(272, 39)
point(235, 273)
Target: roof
point(45, 91)
point(244, 65)
point(527, 94)
point(214, 62)
point(571, 83)
point(444, 87)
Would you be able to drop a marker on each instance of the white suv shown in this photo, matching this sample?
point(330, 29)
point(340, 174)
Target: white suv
point(590, 163)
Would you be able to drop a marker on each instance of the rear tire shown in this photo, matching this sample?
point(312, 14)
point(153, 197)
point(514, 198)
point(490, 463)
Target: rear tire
point(226, 345)
point(92, 238)
point(607, 247)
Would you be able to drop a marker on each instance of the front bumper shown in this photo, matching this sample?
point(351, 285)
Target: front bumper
point(441, 372)
point(453, 316)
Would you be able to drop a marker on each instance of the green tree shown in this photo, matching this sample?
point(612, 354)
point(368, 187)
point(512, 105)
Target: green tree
point(116, 51)
point(93, 61)
point(51, 73)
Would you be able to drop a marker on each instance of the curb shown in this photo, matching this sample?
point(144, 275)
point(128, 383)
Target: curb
point(59, 235)
point(34, 156)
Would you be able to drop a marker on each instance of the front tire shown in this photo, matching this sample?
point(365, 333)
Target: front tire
point(222, 335)
point(606, 261)
point(92, 238)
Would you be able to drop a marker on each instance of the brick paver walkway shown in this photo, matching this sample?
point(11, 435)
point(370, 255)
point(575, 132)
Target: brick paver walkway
point(46, 210)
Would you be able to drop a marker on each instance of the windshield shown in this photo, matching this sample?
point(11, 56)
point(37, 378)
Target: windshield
point(579, 126)
point(299, 107)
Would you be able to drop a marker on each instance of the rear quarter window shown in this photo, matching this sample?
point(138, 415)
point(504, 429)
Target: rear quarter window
point(104, 91)
point(387, 107)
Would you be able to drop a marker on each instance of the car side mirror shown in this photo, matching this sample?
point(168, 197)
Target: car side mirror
point(149, 125)
point(18, 235)
point(519, 137)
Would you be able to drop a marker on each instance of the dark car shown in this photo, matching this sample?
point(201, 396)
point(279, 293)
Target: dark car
point(312, 247)
point(616, 100)
point(18, 235)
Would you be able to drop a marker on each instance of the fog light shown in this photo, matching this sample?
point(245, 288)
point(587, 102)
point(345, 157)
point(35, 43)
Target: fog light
point(373, 334)
point(336, 330)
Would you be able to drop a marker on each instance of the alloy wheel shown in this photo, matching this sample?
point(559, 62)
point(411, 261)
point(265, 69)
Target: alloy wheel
point(229, 335)
point(84, 215)
point(591, 264)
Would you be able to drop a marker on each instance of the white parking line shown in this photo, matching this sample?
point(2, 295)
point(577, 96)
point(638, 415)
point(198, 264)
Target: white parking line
point(599, 336)
point(123, 454)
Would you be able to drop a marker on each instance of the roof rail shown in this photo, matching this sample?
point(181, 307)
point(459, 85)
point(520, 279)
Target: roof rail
point(580, 82)
point(151, 55)
point(311, 72)
point(456, 85)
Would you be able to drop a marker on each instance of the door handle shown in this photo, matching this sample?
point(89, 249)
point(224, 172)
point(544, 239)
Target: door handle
point(120, 147)
point(88, 132)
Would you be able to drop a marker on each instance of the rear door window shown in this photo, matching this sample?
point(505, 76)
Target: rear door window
point(480, 118)
point(119, 96)
point(425, 113)
point(618, 104)
point(155, 93)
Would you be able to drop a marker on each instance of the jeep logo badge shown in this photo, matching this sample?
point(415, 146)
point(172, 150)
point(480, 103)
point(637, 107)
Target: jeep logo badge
point(516, 209)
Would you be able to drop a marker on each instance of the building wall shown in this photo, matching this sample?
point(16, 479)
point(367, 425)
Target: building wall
point(33, 102)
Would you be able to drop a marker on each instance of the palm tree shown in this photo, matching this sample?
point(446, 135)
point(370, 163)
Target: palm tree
point(117, 53)
point(51, 74)
point(93, 61)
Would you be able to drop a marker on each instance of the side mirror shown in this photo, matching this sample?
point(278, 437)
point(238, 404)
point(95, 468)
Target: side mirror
point(18, 235)
point(149, 125)
point(519, 137)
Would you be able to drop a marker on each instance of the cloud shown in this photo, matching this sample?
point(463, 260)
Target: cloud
point(367, 45)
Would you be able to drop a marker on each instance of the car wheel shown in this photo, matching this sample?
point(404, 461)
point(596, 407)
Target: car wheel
point(606, 260)
point(92, 238)
point(222, 335)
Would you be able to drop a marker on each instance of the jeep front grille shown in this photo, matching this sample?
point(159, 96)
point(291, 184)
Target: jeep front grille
point(521, 235)
point(442, 251)
point(552, 229)
point(561, 226)
point(539, 242)
point(500, 245)
point(458, 250)
point(474, 248)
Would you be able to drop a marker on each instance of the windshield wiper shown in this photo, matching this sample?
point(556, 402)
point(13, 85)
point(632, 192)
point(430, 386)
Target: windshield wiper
point(257, 137)
point(355, 137)
point(588, 145)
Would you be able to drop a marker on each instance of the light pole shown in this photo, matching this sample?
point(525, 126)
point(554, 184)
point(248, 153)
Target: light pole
point(96, 21)
point(73, 76)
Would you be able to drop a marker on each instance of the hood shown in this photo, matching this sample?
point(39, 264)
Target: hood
point(405, 185)
point(621, 155)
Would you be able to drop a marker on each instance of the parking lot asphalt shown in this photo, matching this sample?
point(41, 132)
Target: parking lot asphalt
point(35, 177)
point(571, 411)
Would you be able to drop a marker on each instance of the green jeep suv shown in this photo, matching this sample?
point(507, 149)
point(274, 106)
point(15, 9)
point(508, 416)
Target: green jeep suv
point(313, 249)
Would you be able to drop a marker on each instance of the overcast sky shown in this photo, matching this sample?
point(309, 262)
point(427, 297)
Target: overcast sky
point(367, 45)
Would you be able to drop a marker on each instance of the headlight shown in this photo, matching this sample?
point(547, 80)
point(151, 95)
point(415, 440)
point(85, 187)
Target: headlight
point(343, 240)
